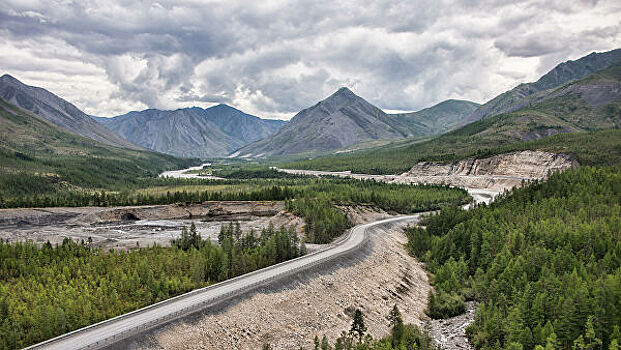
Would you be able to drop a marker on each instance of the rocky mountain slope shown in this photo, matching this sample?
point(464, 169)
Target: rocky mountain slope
point(57, 111)
point(341, 120)
point(438, 119)
point(192, 132)
point(522, 96)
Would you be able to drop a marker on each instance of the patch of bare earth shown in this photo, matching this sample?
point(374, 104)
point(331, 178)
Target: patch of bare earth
point(291, 315)
point(451, 333)
point(129, 227)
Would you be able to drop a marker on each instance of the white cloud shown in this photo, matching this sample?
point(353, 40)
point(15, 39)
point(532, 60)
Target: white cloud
point(273, 58)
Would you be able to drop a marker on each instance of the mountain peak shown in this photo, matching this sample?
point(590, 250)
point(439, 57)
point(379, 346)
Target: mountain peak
point(7, 78)
point(222, 106)
point(343, 91)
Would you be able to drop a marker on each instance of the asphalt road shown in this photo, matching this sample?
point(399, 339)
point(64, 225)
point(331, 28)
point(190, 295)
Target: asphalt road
point(115, 329)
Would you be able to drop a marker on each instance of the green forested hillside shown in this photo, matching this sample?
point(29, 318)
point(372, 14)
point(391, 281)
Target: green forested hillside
point(37, 157)
point(544, 261)
point(586, 105)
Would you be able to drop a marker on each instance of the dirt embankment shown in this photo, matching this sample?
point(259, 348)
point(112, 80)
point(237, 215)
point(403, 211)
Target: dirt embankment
point(495, 173)
point(289, 315)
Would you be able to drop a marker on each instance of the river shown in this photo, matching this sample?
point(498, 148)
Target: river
point(182, 174)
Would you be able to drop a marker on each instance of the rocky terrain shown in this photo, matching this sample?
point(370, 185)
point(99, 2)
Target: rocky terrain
point(290, 315)
point(451, 332)
point(496, 173)
point(125, 227)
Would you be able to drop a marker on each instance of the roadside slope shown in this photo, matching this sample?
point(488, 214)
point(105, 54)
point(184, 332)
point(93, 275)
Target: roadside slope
point(289, 314)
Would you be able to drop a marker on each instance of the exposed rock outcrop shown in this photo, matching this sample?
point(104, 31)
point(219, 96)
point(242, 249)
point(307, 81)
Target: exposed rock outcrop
point(524, 164)
point(496, 173)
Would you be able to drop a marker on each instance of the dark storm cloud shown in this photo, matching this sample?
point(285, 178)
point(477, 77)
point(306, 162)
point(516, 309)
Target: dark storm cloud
point(275, 57)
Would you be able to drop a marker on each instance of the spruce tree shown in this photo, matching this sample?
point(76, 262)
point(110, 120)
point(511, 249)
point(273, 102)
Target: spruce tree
point(357, 325)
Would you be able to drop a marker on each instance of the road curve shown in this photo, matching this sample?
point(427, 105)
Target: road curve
point(115, 329)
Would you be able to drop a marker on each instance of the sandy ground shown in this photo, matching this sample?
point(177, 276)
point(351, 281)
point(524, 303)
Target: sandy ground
point(290, 316)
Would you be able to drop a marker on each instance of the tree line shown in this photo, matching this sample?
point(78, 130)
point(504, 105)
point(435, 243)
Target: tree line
point(544, 261)
point(49, 290)
point(392, 197)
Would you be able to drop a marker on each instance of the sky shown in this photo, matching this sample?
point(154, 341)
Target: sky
point(273, 58)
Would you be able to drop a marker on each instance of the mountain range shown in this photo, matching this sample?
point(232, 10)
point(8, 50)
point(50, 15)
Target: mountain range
point(345, 119)
point(40, 157)
point(341, 120)
point(192, 132)
point(574, 96)
point(588, 104)
point(571, 97)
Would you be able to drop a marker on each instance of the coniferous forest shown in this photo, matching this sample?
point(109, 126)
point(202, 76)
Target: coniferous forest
point(50, 290)
point(543, 261)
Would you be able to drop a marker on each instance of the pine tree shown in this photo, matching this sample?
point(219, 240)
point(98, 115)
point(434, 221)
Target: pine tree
point(396, 322)
point(324, 343)
point(357, 325)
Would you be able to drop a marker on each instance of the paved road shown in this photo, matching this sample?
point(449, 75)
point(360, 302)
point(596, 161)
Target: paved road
point(110, 331)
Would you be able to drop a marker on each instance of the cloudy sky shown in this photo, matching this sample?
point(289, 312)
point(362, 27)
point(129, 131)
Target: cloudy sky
point(272, 58)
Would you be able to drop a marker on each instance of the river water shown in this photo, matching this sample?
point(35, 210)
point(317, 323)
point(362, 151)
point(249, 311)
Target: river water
point(182, 174)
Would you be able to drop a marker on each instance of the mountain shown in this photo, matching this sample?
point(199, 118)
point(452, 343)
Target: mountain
point(438, 119)
point(58, 111)
point(341, 120)
point(37, 157)
point(192, 132)
point(585, 105)
point(244, 127)
point(525, 94)
point(591, 103)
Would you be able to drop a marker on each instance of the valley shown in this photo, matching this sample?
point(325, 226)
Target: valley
point(183, 222)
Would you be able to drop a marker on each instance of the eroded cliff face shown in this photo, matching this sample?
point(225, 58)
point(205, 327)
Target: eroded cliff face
point(497, 173)
point(526, 164)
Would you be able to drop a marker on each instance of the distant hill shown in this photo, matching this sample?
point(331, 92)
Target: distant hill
point(57, 111)
point(438, 119)
point(192, 132)
point(526, 94)
point(589, 104)
point(38, 157)
point(341, 120)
